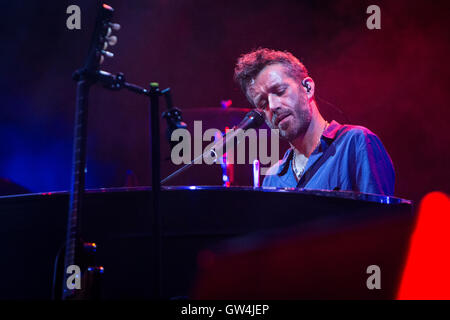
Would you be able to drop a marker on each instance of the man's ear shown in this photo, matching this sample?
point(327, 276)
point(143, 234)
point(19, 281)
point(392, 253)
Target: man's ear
point(309, 87)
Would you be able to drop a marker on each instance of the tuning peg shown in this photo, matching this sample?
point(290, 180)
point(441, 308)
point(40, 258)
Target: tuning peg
point(107, 54)
point(111, 27)
point(112, 40)
point(114, 26)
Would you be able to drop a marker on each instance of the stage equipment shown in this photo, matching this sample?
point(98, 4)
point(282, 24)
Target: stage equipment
point(86, 77)
point(321, 242)
point(78, 253)
point(256, 174)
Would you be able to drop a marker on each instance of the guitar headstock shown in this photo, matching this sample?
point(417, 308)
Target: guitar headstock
point(102, 39)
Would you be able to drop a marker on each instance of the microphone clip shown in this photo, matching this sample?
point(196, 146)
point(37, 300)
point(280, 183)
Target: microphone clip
point(173, 117)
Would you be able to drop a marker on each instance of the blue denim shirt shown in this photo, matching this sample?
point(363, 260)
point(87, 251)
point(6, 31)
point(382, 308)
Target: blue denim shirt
point(357, 161)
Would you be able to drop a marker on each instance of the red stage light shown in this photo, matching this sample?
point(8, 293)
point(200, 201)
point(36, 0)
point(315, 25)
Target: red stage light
point(426, 274)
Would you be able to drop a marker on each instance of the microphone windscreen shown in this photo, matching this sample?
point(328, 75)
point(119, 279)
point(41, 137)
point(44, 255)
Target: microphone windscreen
point(252, 119)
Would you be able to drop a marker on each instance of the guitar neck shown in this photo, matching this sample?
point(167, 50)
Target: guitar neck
point(85, 78)
point(78, 178)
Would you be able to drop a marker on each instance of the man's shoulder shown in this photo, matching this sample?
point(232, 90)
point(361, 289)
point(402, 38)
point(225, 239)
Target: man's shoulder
point(355, 130)
point(360, 140)
point(355, 133)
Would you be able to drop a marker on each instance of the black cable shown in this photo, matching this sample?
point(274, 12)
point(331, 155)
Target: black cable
point(55, 272)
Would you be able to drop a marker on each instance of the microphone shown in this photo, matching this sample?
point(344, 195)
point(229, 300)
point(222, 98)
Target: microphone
point(252, 120)
point(173, 117)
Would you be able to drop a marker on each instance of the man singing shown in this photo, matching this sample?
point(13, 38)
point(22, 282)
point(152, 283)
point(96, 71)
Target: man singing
point(323, 155)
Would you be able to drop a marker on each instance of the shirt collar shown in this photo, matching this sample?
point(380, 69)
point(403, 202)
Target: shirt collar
point(330, 133)
point(332, 130)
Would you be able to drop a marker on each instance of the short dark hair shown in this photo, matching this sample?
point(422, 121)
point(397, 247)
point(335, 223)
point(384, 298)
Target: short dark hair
point(250, 64)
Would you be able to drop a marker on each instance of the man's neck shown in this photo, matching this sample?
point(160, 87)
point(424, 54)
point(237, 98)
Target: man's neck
point(306, 143)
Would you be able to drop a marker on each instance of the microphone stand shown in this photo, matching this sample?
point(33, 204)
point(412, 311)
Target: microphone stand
point(156, 185)
point(117, 82)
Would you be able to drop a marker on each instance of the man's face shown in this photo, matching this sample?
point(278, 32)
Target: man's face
point(283, 101)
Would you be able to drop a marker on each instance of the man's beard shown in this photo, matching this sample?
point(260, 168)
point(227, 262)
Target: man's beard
point(299, 124)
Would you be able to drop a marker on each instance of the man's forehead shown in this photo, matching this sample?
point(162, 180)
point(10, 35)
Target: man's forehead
point(268, 77)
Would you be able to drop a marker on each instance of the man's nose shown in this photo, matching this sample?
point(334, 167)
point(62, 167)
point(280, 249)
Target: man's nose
point(274, 102)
